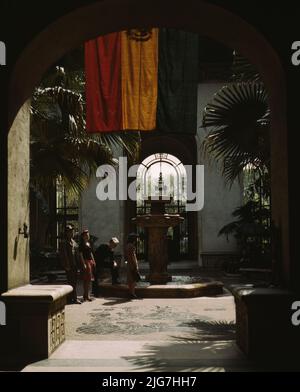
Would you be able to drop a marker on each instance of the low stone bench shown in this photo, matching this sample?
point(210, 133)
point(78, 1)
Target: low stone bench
point(35, 322)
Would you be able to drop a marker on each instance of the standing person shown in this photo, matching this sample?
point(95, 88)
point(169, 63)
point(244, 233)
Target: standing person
point(67, 252)
point(87, 263)
point(132, 264)
point(104, 257)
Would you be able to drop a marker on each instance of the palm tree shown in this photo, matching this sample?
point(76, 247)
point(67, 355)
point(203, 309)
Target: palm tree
point(63, 155)
point(61, 149)
point(238, 118)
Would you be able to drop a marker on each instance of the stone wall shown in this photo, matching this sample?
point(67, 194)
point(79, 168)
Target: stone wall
point(18, 199)
point(104, 219)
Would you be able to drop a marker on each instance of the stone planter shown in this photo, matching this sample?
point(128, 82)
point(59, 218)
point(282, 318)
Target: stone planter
point(35, 322)
point(264, 327)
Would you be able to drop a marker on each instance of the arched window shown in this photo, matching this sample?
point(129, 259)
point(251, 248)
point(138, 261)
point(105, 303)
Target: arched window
point(163, 175)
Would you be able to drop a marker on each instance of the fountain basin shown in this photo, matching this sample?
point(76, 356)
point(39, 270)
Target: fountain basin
point(192, 290)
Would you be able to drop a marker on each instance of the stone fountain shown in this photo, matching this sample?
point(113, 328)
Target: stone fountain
point(157, 223)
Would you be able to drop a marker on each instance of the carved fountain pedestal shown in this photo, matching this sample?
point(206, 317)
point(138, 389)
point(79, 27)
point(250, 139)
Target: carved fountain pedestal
point(157, 224)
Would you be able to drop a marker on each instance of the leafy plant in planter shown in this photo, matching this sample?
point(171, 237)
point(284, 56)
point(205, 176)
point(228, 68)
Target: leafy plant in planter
point(252, 232)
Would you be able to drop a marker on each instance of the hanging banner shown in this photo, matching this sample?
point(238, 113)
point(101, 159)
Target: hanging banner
point(142, 83)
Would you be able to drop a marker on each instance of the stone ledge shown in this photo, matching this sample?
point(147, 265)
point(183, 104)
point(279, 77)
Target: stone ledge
point(165, 291)
point(45, 293)
point(249, 292)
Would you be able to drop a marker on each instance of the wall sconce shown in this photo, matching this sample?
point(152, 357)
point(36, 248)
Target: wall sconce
point(2, 313)
point(2, 53)
point(25, 231)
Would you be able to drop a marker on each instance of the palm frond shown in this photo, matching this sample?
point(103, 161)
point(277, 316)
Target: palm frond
point(243, 70)
point(238, 119)
point(60, 145)
point(126, 142)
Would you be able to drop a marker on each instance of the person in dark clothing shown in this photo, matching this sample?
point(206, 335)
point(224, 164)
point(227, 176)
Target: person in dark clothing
point(104, 257)
point(67, 250)
point(87, 263)
point(133, 275)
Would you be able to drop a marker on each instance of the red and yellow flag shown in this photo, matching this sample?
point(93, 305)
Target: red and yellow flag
point(142, 84)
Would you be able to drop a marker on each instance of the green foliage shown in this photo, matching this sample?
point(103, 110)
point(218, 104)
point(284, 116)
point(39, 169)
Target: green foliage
point(238, 123)
point(238, 118)
point(252, 232)
point(242, 70)
point(61, 149)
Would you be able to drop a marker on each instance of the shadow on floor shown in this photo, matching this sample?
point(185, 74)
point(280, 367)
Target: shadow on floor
point(208, 356)
point(210, 330)
point(115, 301)
point(211, 348)
point(213, 356)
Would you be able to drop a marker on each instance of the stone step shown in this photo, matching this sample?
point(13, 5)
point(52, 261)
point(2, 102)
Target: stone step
point(142, 356)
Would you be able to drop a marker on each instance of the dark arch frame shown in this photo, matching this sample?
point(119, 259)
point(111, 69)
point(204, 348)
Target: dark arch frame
point(192, 15)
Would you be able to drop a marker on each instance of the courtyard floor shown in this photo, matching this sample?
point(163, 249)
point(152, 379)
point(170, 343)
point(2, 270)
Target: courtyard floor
point(148, 335)
point(119, 335)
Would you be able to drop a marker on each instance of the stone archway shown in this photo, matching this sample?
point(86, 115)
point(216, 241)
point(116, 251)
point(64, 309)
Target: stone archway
point(68, 32)
point(203, 18)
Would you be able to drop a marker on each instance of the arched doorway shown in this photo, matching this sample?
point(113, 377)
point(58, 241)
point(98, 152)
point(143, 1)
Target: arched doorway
point(206, 19)
point(163, 174)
